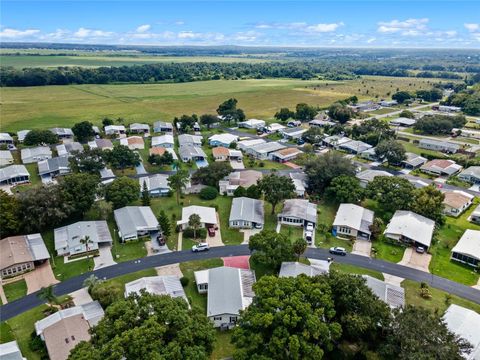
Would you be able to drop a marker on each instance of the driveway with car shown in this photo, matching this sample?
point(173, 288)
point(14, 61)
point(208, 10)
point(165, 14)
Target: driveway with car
point(415, 260)
point(217, 239)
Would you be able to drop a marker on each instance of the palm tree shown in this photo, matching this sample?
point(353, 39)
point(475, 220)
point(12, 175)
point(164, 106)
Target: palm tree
point(177, 182)
point(194, 222)
point(91, 281)
point(87, 241)
point(47, 294)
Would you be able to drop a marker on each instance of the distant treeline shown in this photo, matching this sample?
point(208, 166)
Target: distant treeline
point(198, 71)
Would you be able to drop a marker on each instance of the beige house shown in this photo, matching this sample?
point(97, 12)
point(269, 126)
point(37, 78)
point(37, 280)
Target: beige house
point(235, 179)
point(353, 221)
point(220, 153)
point(133, 142)
point(456, 202)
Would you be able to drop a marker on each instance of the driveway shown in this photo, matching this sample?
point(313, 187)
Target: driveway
point(237, 165)
point(173, 269)
point(362, 247)
point(217, 239)
point(247, 233)
point(42, 276)
point(81, 297)
point(105, 257)
point(415, 260)
point(140, 169)
point(312, 245)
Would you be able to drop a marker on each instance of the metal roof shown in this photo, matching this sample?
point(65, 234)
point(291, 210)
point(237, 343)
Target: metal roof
point(393, 295)
point(52, 165)
point(412, 226)
point(464, 323)
point(369, 175)
point(267, 147)
point(300, 208)
point(69, 236)
point(247, 209)
point(469, 244)
point(28, 153)
point(162, 139)
point(157, 181)
point(354, 216)
point(6, 137)
point(138, 126)
point(293, 269)
point(131, 219)
point(13, 171)
point(207, 215)
point(189, 151)
point(186, 139)
point(157, 285)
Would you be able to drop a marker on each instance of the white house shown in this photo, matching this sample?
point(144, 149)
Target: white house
point(191, 153)
point(475, 215)
point(208, 216)
point(467, 249)
point(162, 126)
point(14, 175)
point(68, 148)
point(353, 221)
point(21, 135)
point(464, 323)
point(285, 155)
point(456, 202)
point(293, 133)
point(410, 228)
point(190, 140)
point(157, 184)
point(294, 269)
point(263, 151)
point(403, 121)
point(471, 175)
point(157, 285)
point(63, 133)
point(137, 128)
point(413, 161)
point(298, 212)
point(274, 127)
point(6, 138)
point(6, 158)
point(441, 167)
point(246, 213)
point(165, 141)
point(136, 221)
point(114, 130)
point(11, 351)
point(439, 145)
point(367, 176)
point(252, 124)
point(392, 295)
point(245, 144)
point(222, 139)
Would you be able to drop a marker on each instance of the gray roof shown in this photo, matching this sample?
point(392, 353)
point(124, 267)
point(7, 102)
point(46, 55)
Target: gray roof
point(10, 351)
point(68, 148)
point(69, 236)
point(13, 171)
point(403, 121)
point(37, 247)
point(39, 151)
point(186, 139)
point(6, 155)
point(62, 131)
point(189, 151)
point(267, 147)
point(355, 145)
point(53, 165)
point(393, 295)
point(21, 134)
point(163, 139)
point(369, 175)
point(336, 140)
point(444, 144)
point(414, 159)
point(247, 209)
point(300, 208)
point(229, 290)
point(471, 171)
point(464, 323)
point(355, 217)
point(131, 219)
point(412, 226)
point(162, 124)
point(106, 173)
point(101, 144)
point(6, 137)
point(293, 269)
point(157, 285)
point(137, 126)
point(294, 131)
point(157, 181)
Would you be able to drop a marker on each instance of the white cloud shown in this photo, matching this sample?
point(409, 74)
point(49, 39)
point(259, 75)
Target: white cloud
point(371, 40)
point(409, 27)
point(179, 22)
point(301, 26)
point(17, 34)
point(143, 28)
point(83, 33)
point(324, 28)
point(472, 27)
point(247, 36)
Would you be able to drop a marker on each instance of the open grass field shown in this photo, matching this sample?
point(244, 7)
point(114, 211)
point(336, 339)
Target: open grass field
point(48, 106)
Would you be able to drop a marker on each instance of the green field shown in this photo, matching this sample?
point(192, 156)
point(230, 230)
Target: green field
point(48, 106)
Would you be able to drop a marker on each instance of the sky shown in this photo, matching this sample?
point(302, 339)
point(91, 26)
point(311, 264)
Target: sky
point(381, 23)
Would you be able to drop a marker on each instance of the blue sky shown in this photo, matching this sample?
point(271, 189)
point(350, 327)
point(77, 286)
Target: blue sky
point(437, 24)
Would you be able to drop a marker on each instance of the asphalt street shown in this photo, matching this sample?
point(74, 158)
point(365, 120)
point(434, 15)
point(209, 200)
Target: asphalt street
point(28, 302)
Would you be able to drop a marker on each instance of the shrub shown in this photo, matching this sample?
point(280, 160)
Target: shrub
point(208, 193)
point(37, 345)
point(201, 233)
point(106, 293)
point(184, 281)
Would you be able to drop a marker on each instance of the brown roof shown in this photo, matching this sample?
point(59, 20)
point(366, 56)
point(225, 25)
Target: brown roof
point(245, 178)
point(441, 163)
point(135, 140)
point(220, 151)
point(455, 199)
point(62, 336)
point(288, 151)
point(158, 150)
point(14, 250)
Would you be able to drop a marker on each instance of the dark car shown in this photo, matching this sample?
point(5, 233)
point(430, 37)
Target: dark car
point(338, 251)
point(211, 231)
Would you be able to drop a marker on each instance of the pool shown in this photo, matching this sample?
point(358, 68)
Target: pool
point(201, 163)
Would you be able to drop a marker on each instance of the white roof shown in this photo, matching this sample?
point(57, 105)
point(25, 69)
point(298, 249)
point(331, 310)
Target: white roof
point(293, 269)
point(157, 285)
point(275, 127)
point(21, 134)
point(13, 171)
point(354, 216)
point(62, 131)
point(163, 139)
point(267, 147)
point(41, 151)
point(10, 351)
point(369, 175)
point(186, 139)
point(403, 121)
point(393, 295)
point(137, 126)
point(300, 208)
point(69, 236)
point(6, 155)
point(131, 219)
point(253, 122)
point(157, 181)
point(207, 215)
point(464, 323)
point(469, 244)
point(412, 226)
point(5, 137)
point(471, 171)
point(244, 144)
point(114, 128)
point(223, 138)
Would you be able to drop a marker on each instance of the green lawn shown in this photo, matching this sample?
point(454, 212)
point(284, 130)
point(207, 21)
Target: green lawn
point(120, 281)
point(15, 290)
point(438, 300)
point(223, 348)
point(292, 232)
point(265, 164)
point(324, 239)
point(6, 333)
point(388, 251)
point(350, 269)
point(188, 268)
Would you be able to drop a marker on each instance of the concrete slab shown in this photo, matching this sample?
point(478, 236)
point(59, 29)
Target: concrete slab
point(236, 165)
point(362, 247)
point(42, 276)
point(247, 233)
point(415, 260)
point(172, 269)
point(179, 241)
point(217, 239)
point(81, 297)
point(239, 262)
point(3, 298)
point(104, 259)
point(393, 280)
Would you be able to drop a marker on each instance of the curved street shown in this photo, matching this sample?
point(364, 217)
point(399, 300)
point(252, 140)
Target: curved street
point(30, 301)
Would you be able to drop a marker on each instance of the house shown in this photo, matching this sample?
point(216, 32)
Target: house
point(208, 216)
point(191, 153)
point(6, 139)
point(137, 128)
point(136, 221)
point(464, 323)
point(475, 216)
point(439, 145)
point(263, 151)
point(441, 167)
point(293, 133)
point(446, 108)
point(245, 178)
point(102, 144)
point(157, 185)
point(11, 351)
point(234, 154)
point(335, 141)
point(285, 155)
point(191, 140)
point(392, 295)
point(63, 133)
point(220, 153)
point(410, 228)
point(365, 106)
point(157, 285)
point(106, 175)
point(19, 254)
point(21, 135)
point(294, 123)
point(229, 291)
point(222, 139)
point(65, 329)
point(162, 126)
point(161, 150)
point(456, 202)
point(273, 128)
point(467, 249)
point(53, 167)
point(294, 269)
point(252, 124)
point(474, 134)
point(353, 221)
point(388, 103)
point(413, 161)
point(116, 130)
point(368, 175)
point(96, 130)
point(14, 175)
point(471, 175)
point(68, 239)
point(165, 141)
point(245, 144)
point(6, 158)
point(133, 142)
point(246, 213)
point(354, 146)
point(298, 212)
point(196, 127)
point(403, 122)
point(68, 148)
point(300, 182)
point(321, 123)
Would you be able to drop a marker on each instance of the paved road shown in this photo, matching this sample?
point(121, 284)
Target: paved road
point(30, 301)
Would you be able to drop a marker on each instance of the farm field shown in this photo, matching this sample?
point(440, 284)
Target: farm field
point(48, 106)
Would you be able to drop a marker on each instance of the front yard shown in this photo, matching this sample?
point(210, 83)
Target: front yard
point(15, 290)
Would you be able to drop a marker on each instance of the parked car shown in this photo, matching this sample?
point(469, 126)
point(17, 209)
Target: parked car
point(338, 251)
point(258, 226)
point(309, 237)
point(309, 227)
point(200, 247)
point(211, 231)
point(300, 141)
point(420, 249)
